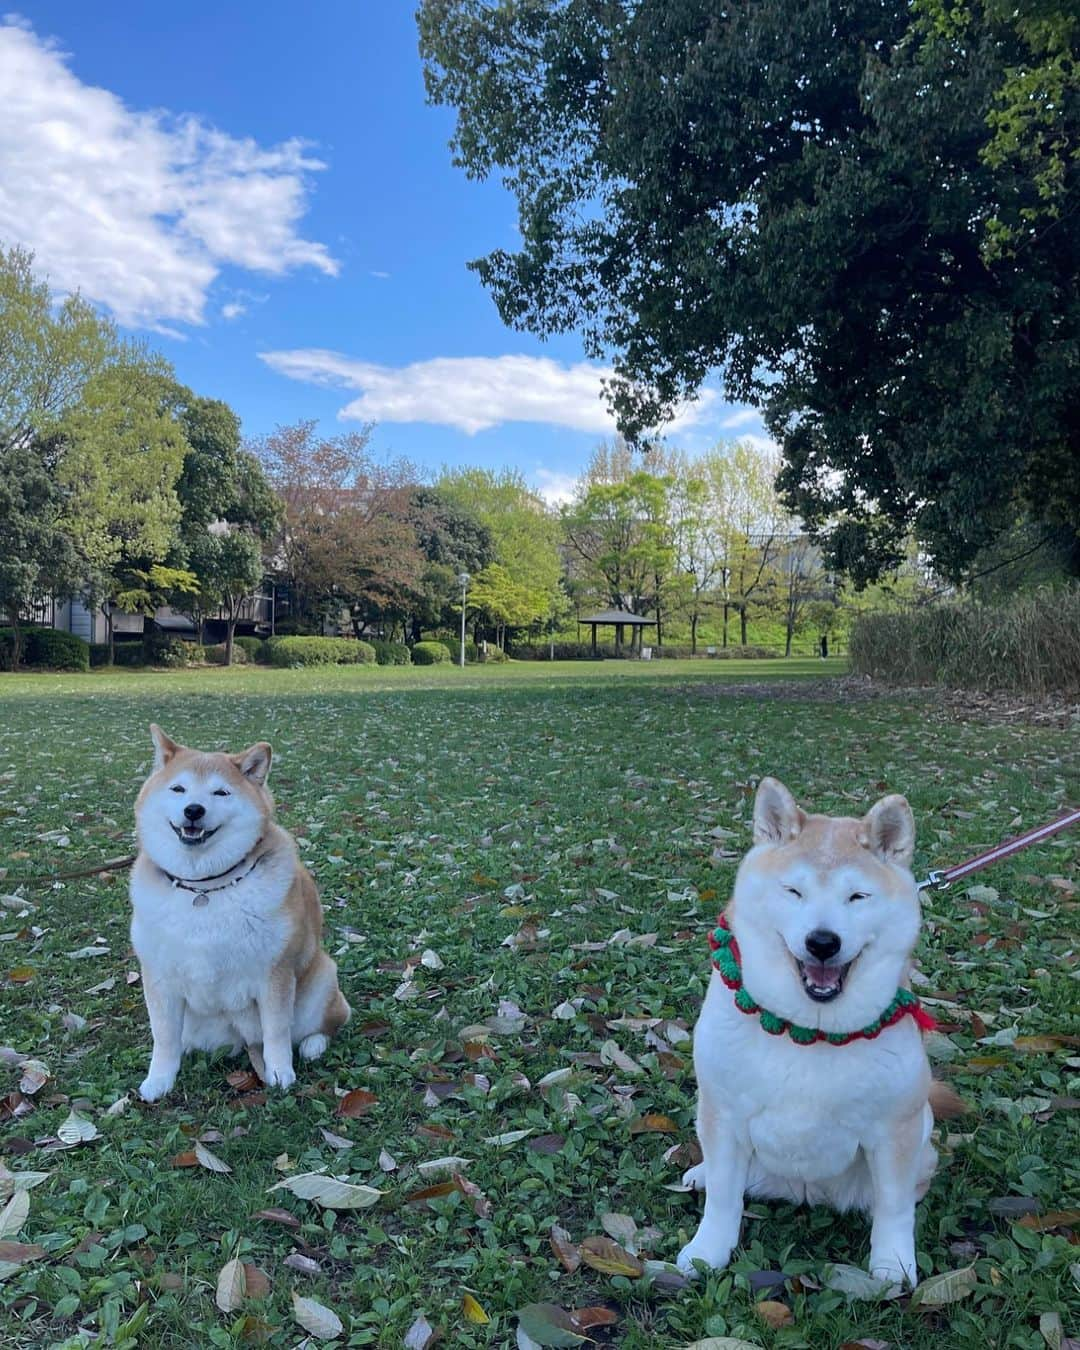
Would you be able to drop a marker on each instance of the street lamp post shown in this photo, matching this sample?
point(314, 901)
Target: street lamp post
point(463, 580)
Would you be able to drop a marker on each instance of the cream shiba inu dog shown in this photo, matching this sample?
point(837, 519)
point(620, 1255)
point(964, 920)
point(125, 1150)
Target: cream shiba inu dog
point(227, 923)
point(813, 1084)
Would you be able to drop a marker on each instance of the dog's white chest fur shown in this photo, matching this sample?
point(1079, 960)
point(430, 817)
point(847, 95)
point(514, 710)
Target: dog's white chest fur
point(805, 1111)
point(217, 953)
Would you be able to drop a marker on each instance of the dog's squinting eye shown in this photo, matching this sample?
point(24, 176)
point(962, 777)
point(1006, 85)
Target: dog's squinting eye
point(177, 787)
point(222, 792)
point(858, 895)
point(792, 891)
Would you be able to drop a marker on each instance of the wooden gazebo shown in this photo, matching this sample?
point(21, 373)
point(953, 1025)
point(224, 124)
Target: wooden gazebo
point(618, 619)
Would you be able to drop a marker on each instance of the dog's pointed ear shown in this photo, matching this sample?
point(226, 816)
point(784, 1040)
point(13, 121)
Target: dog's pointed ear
point(254, 763)
point(164, 747)
point(889, 830)
point(777, 818)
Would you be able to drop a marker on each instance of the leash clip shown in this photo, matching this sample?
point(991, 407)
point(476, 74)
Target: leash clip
point(933, 882)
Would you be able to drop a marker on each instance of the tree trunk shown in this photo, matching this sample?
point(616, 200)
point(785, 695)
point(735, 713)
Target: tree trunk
point(16, 639)
point(693, 634)
point(230, 629)
point(110, 635)
point(726, 608)
point(742, 624)
point(787, 644)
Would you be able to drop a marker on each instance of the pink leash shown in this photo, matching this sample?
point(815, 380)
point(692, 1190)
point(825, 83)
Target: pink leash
point(939, 880)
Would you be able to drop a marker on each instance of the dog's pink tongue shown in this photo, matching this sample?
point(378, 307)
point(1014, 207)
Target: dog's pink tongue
point(821, 976)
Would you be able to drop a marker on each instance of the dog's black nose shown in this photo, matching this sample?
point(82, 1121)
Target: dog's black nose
point(195, 812)
point(822, 944)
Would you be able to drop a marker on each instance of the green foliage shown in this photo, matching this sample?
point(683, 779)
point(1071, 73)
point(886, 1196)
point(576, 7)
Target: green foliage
point(46, 649)
point(318, 651)
point(100, 655)
point(430, 654)
point(391, 653)
point(1031, 643)
point(131, 656)
point(160, 648)
point(217, 655)
point(253, 646)
point(843, 212)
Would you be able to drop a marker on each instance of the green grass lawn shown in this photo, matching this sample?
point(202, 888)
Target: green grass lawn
point(545, 833)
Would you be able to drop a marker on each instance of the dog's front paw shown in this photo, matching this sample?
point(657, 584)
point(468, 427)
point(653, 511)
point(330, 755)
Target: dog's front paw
point(694, 1177)
point(715, 1255)
point(895, 1267)
point(155, 1086)
point(280, 1076)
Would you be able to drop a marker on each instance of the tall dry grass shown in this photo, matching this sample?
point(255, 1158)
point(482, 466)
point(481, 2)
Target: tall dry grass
point(1030, 643)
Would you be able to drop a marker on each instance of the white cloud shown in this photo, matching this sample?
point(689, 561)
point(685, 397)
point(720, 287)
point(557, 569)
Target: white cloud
point(555, 488)
point(139, 210)
point(233, 310)
point(472, 393)
point(740, 419)
point(383, 276)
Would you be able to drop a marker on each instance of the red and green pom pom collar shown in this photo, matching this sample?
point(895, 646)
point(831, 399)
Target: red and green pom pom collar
point(728, 964)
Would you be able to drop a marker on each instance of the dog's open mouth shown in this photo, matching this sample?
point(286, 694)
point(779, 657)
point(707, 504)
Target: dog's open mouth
point(822, 981)
point(193, 834)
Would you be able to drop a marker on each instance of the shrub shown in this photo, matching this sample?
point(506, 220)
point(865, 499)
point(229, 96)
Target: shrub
point(430, 654)
point(49, 649)
point(130, 655)
point(1030, 643)
point(319, 651)
point(494, 656)
point(564, 651)
point(215, 655)
point(252, 646)
point(165, 649)
point(391, 653)
point(99, 654)
point(45, 649)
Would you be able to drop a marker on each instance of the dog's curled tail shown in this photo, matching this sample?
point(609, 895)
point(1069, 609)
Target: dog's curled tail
point(944, 1101)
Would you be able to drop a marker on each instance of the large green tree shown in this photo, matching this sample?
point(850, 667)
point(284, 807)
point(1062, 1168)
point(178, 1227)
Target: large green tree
point(822, 200)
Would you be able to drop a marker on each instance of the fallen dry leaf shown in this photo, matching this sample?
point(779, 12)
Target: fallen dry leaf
point(605, 1255)
point(356, 1103)
point(231, 1286)
point(316, 1317)
point(473, 1311)
point(564, 1248)
point(773, 1313)
point(209, 1160)
point(328, 1191)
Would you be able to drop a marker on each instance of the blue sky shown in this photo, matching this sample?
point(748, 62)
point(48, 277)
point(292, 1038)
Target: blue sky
point(262, 191)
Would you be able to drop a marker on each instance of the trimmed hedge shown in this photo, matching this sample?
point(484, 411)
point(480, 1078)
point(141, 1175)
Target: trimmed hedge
point(319, 651)
point(46, 649)
point(253, 646)
point(430, 654)
point(99, 654)
point(1029, 643)
point(215, 655)
point(391, 653)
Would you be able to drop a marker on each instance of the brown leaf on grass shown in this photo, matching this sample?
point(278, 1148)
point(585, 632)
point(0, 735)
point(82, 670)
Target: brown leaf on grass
point(605, 1255)
point(18, 1253)
point(255, 1331)
point(258, 1282)
point(35, 1075)
point(653, 1124)
point(185, 1159)
point(548, 1324)
point(274, 1215)
point(244, 1080)
point(1057, 1218)
point(433, 1131)
point(437, 1192)
point(584, 1319)
point(565, 1249)
point(356, 1103)
point(21, 975)
point(1046, 1044)
point(774, 1314)
point(373, 1028)
point(867, 1343)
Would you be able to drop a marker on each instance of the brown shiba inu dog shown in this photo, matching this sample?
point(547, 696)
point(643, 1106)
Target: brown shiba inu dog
point(813, 1083)
point(227, 923)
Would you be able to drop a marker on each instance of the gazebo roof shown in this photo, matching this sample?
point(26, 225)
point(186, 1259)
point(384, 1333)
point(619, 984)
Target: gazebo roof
point(617, 616)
